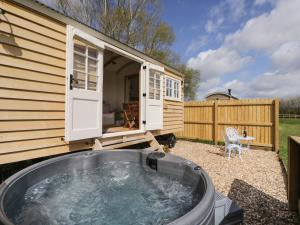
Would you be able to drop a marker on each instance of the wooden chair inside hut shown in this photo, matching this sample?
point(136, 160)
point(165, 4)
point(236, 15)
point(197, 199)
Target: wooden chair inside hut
point(131, 114)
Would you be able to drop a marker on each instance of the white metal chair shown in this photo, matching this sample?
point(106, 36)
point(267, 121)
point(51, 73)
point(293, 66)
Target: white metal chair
point(232, 141)
point(232, 135)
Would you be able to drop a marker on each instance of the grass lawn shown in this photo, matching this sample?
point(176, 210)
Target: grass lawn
point(287, 127)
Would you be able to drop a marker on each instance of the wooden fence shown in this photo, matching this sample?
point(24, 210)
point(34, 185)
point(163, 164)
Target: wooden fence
point(289, 116)
point(207, 120)
point(294, 173)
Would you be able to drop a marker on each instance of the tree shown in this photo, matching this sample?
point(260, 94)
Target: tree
point(82, 10)
point(191, 82)
point(290, 105)
point(136, 23)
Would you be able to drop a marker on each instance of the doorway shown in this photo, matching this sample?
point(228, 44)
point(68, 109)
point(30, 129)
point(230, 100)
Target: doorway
point(121, 93)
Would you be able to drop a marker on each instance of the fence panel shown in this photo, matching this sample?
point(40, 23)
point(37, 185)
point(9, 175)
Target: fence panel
point(208, 120)
point(289, 116)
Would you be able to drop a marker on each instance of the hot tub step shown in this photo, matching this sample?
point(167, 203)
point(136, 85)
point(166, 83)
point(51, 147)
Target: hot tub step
point(227, 212)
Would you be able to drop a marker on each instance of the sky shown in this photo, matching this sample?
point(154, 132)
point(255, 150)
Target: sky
point(250, 46)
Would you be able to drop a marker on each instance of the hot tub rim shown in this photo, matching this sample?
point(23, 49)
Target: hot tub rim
point(197, 212)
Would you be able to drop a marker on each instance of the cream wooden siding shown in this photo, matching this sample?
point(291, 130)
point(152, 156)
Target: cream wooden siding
point(173, 111)
point(32, 85)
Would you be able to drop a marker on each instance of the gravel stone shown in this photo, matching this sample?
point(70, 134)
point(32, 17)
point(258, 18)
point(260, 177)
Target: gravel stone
point(257, 182)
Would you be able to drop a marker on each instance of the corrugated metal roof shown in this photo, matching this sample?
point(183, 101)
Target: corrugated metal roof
point(221, 93)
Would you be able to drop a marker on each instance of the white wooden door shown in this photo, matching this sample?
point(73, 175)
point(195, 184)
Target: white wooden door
point(154, 97)
point(84, 86)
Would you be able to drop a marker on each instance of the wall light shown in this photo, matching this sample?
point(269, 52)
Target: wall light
point(2, 11)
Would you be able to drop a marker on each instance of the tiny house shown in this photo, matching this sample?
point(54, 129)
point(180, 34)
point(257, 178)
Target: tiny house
point(66, 87)
point(221, 96)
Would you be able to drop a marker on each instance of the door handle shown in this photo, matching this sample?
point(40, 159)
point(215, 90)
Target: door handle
point(71, 81)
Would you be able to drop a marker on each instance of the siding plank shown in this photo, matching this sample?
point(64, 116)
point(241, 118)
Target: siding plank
point(173, 126)
point(31, 135)
point(30, 55)
point(11, 83)
point(8, 104)
point(9, 126)
point(27, 14)
point(13, 30)
point(16, 146)
point(166, 119)
point(14, 72)
point(30, 95)
point(29, 65)
point(30, 45)
point(12, 19)
point(34, 115)
point(31, 154)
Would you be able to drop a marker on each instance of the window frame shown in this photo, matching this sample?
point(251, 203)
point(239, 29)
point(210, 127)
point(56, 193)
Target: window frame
point(157, 87)
point(87, 58)
point(170, 84)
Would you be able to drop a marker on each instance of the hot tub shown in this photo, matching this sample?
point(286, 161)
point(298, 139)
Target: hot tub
point(109, 187)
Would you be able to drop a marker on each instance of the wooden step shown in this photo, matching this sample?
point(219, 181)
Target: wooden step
point(127, 140)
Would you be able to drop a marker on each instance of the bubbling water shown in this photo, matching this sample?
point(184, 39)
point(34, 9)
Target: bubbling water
point(117, 193)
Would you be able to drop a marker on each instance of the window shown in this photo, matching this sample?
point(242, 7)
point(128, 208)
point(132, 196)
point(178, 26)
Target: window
point(85, 66)
point(132, 88)
point(173, 89)
point(169, 87)
point(154, 84)
point(176, 89)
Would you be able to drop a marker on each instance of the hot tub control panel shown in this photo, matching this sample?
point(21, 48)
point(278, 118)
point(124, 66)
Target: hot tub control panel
point(152, 158)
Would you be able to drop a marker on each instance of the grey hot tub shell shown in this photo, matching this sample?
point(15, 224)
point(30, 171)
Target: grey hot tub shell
point(12, 190)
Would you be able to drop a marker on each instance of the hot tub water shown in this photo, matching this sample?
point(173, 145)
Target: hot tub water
point(114, 193)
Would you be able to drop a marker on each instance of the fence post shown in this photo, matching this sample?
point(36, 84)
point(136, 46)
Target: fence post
point(215, 122)
point(276, 125)
point(293, 172)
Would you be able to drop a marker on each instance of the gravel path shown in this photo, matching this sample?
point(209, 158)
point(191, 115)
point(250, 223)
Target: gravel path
point(257, 182)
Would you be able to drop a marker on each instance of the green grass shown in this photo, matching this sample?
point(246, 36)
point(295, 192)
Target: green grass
point(287, 127)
